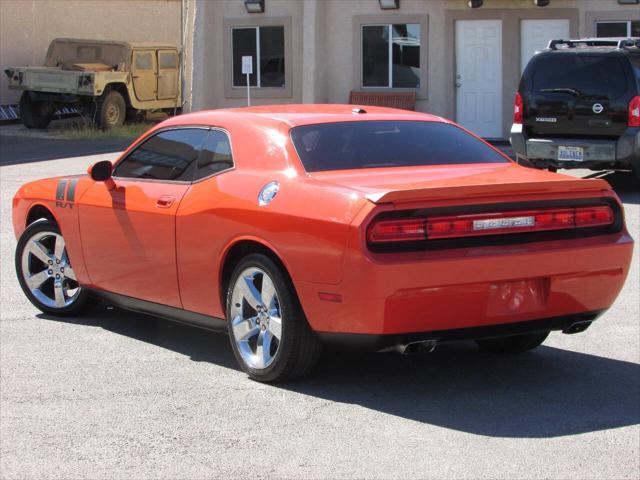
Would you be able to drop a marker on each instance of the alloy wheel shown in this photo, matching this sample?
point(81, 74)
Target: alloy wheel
point(47, 271)
point(256, 318)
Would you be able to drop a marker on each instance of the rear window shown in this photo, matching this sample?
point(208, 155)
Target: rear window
point(588, 74)
point(377, 144)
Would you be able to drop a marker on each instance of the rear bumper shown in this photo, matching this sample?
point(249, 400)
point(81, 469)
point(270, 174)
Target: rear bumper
point(598, 154)
point(379, 342)
point(472, 287)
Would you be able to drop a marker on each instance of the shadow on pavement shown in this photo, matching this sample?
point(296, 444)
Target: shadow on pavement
point(15, 150)
point(546, 393)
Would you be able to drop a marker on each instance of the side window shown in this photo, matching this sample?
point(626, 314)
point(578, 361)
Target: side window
point(170, 155)
point(168, 60)
point(215, 156)
point(144, 61)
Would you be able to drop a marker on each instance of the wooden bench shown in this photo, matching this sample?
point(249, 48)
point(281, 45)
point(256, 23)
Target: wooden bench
point(403, 100)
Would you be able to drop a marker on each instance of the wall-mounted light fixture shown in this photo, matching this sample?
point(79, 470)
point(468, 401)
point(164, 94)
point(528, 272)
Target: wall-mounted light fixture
point(474, 3)
point(541, 3)
point(628, 2)
point(389, 4)
point(254, 6)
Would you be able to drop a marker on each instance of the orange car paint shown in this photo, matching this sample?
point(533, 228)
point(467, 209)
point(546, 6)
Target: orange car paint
point(122, 241)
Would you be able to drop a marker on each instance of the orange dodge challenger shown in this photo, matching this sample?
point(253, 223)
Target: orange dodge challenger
point(302, 225)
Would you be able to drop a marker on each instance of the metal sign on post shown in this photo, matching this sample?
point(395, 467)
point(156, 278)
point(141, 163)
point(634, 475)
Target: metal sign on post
point(247, 69)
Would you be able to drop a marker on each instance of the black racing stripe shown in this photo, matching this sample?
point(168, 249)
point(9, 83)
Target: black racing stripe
point(62, 185)
point(71, 191)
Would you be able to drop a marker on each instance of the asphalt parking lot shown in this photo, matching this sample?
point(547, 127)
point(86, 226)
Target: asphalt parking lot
point(121, 395)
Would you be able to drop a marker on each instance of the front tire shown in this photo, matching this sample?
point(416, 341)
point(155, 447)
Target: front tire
point(45, 272)
point(112, 110)
point(513, 344)
point(269, 333)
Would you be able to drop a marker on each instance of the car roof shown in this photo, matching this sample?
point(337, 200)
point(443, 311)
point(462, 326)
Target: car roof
point(122, 43)
point(606, 49)
point(294, 115)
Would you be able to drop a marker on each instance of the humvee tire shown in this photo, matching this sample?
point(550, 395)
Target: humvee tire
point(112, 110)
point(35, 114)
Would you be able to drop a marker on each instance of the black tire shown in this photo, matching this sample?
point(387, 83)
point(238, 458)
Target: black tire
point(298, 349)
point(35, 114)
point(513, 344)
point(112, 110)
point(81, 302)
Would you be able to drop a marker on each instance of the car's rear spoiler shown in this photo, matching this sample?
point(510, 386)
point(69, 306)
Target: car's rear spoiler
point(490, 190)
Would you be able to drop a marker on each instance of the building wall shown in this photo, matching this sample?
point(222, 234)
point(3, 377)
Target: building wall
point(28, 26)
point(325, 58)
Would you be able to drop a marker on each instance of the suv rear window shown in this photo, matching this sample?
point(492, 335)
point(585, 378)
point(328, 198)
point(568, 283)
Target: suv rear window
point(590, 75)
point(377, 144)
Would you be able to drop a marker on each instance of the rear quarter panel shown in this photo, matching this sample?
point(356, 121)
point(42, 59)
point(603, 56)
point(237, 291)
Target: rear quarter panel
point(305, 225)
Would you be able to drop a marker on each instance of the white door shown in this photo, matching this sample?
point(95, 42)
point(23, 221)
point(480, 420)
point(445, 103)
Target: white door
point(479, 76)
point(535, 36)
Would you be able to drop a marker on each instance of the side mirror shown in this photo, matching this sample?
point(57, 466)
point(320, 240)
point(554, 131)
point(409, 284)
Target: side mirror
point(101, 172)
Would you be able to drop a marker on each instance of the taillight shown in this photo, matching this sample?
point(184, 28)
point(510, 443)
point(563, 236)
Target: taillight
point(396, 231)
point(517, 109)
point(439, 227)
point(634, 112)
point(594, 216)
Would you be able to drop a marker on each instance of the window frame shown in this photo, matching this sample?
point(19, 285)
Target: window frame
point(358, 21)
point(627, 22)
point(258, 57)
point(177, 182)
point(293, 62)
point(390, 86)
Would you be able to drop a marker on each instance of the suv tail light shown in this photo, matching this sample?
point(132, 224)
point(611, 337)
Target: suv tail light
point(517, 109)
point(634, 112)
point(457, 226)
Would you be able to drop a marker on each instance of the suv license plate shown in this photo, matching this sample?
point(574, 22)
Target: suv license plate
point(571, 154)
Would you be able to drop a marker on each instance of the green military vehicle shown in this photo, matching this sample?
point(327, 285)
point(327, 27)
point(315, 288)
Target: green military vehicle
point(107, 81)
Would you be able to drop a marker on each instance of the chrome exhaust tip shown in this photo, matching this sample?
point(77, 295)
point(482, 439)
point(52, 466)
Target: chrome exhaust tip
point(417, 348)
point(577, 327)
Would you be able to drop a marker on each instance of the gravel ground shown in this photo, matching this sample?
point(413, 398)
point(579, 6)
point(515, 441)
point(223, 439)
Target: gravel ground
point(121, 395)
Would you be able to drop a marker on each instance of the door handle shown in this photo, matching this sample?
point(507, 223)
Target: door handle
point(165, 201)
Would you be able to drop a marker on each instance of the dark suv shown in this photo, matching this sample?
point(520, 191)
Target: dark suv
point(578, 106)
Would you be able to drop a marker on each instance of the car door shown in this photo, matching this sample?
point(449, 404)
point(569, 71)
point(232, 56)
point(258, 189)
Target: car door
point(128, 232)
point(144, 73)
point(167, 74)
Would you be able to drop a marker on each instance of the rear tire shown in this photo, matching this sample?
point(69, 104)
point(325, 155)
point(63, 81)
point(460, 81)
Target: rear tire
point(513, 344)
point(35, 114)
point(253, 330)
point(112, 110)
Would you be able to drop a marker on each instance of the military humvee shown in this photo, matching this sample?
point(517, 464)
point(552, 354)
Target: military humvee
point(107, 81)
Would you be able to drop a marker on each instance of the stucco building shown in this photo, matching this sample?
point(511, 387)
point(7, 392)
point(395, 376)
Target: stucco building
point(463, 63)
point(28, 26)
